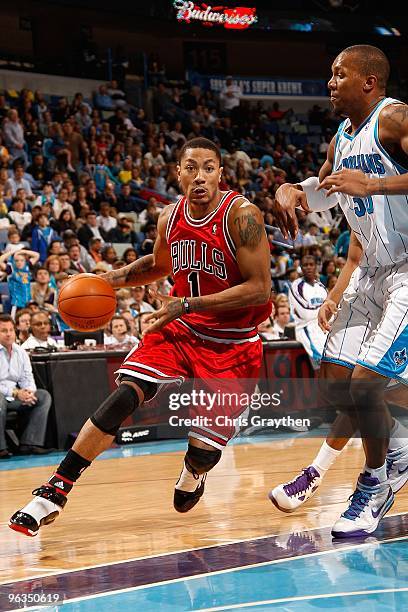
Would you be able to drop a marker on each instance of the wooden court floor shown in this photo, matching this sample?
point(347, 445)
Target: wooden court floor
point(122, 508)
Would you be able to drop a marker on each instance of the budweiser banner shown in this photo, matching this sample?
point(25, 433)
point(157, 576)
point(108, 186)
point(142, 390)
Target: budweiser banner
point(237, 18)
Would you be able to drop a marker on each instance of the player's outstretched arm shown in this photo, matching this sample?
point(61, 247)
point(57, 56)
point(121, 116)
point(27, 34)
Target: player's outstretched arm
point(303, 195)
point(149, 268)
point(329, 306)
point(393, 135)
point(247, 230)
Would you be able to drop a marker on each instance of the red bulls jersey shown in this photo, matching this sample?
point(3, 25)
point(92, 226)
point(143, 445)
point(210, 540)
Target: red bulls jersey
point(203, 263)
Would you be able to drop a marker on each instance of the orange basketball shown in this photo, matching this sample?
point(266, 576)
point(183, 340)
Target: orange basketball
point(86, 302)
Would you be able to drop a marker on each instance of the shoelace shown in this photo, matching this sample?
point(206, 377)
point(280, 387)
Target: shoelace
point(301, 482)
point(359, 501)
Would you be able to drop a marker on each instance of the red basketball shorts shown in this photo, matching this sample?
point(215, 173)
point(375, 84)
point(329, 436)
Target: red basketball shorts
point(223, 375)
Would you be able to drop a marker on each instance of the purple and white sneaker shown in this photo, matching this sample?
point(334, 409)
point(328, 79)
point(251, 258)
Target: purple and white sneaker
point(289, 496)
point(397, 467)
point(368, 504)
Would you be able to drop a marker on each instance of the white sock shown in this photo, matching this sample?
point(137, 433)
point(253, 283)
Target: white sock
point(380, 472)
point(187, 482)
point(324, 458)
point(398, 436)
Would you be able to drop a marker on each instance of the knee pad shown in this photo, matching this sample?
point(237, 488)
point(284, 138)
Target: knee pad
point(115, 409)
point(200, 460)
point(149, 388)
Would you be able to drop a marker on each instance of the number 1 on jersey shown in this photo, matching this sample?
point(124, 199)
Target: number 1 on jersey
point(194, 282)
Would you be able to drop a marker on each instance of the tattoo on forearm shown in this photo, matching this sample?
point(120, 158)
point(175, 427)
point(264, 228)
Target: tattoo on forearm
point(132, 272)
point(399, 114)
point(382, 186)
point(250, 231)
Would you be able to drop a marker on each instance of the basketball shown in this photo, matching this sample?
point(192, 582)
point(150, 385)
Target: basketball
point(86, 302)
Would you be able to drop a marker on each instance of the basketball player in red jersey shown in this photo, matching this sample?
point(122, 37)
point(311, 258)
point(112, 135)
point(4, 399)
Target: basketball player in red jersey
point(214, 245)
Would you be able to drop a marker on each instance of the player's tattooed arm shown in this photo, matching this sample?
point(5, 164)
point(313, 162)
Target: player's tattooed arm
point(250, 229)
point(149, 268)
point(393, 136)
point(247, 230)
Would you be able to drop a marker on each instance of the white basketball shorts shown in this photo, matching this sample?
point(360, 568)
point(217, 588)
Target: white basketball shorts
point(371, 326)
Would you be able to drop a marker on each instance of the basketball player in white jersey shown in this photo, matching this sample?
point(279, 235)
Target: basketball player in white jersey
point(306, 295)
point(366, 171)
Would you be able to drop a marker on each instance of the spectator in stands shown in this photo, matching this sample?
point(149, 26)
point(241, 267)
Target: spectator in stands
point(101, 173)
point(14, 240)
point(109, 256)
point(117, 95)
point(38, 169)
point(41, 290)
point(139, 304)
point(76, 146)
point(40, 335)
point(130, 255)
point(328, 269)
point(17, 181)
point(154, 157)
point(331, 282)
point(150, 231)
point(127, 315)
point(342, 244)
point(62, 203)
point(282, 319)
point(306, 295)
point(123, 299)
point(230, 96)
point(90, 230)
point(104, 220)
point(103, 100)
point(13, 133)
point(120, 332)
point(78, 264)
point(95, 250)
point(276, 114)
point(123, 233)
point(18, 270)
point(310, 238)
point(18, 392)
point(64, 222)
point(23, 319)
point(65, 262)
point(80, 201)
point(53, 265)
point(42, 236)
point(19, 216)
point(47, 195)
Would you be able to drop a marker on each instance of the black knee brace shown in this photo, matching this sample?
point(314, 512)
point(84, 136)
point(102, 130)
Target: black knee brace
point(114, 410)
point(200, 460)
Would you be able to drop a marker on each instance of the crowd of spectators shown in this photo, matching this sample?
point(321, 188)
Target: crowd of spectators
point(82, 183)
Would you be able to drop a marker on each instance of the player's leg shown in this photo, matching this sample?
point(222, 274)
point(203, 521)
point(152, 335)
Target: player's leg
point(373, 496)
point(138, 382)
point(383, 356)
point(199, 459)
point(289, 496)
point(227, 368)
point(95, 437)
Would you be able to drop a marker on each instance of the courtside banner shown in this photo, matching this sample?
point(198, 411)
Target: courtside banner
point(262, 86)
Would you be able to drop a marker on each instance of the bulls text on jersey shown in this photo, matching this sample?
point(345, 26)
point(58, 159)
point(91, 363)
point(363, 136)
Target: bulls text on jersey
point(185, 256)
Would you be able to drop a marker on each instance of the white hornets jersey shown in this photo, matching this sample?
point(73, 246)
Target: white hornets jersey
point(379, 221)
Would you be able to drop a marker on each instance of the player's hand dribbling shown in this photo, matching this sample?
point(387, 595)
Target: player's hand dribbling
point(326, 311)
point(351, 182)
point(287, 199)
point(171, 309)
